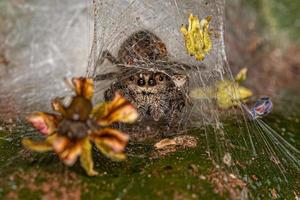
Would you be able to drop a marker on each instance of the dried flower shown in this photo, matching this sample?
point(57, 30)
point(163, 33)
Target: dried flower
point(70, 132)
point(197, 37)
point(227, 93)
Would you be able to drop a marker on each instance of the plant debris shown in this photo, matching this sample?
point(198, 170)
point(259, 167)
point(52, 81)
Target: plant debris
point(228, 184)
point(167, 146)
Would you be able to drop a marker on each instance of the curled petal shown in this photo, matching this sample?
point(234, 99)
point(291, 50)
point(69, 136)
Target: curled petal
point(46, 123)
point(60, 144)
point(67, 150)
point(242, 75)
point(39, 146)
point(119, 110)
point(58, 107)
point(70, 156)
point(86, 159)
point(111, 142)
point(84, 87)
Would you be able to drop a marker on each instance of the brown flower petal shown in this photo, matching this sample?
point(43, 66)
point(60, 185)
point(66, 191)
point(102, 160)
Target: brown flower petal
point(111, 142)
point(60, 144)
point(67, 150)
point(46, 123)
point(119, 110)
point(70, 156)
point(58, 107)
point(84, 87)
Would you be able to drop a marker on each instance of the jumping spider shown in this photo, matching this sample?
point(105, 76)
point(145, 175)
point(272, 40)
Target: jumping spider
point(156, 86)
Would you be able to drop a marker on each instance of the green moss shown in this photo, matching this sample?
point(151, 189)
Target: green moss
point(135, 178)
point(27, 194)
point(144, 177)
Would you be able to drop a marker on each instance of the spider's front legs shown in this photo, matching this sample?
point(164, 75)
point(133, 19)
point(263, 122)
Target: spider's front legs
point(141, 112)
point(107, 55)
point(156, 112)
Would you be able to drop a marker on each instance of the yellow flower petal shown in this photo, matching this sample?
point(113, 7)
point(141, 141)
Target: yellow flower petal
point(39, 146)
point(86, 159)
point(242, 75)
point(46, 123)
point(119, 110)
point(197, 37)
point(84, 87)
point(111, 143)
point(99, 110)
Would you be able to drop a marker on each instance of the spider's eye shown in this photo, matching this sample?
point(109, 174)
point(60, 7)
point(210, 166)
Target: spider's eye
point(161, 78)
point(151, 82)
point(141, 82)
point(131, 78)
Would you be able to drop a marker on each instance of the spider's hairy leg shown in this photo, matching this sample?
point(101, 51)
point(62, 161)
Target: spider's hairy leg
point(142, 111)
point(184, 67)
point(108, 94)
point(156, 112)
point(107, 55)
point(200, 66)
point(178, 109)
point(110, 75)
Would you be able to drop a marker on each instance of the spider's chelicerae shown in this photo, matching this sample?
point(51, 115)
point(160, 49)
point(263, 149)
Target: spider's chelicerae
point(157, 86)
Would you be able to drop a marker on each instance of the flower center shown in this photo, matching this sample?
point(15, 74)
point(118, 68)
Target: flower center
point(73, 129)
point(79, 109)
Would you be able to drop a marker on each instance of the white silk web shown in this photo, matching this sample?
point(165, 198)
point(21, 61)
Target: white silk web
point(233, 141)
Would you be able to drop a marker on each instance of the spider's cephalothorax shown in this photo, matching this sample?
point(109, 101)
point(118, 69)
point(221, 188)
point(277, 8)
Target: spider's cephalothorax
point(153, 93)
point(156, 86)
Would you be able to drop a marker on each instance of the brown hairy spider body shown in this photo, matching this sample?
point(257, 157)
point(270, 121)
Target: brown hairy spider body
point(156, 86)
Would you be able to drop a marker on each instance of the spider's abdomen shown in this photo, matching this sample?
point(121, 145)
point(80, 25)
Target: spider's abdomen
point(142, 46)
